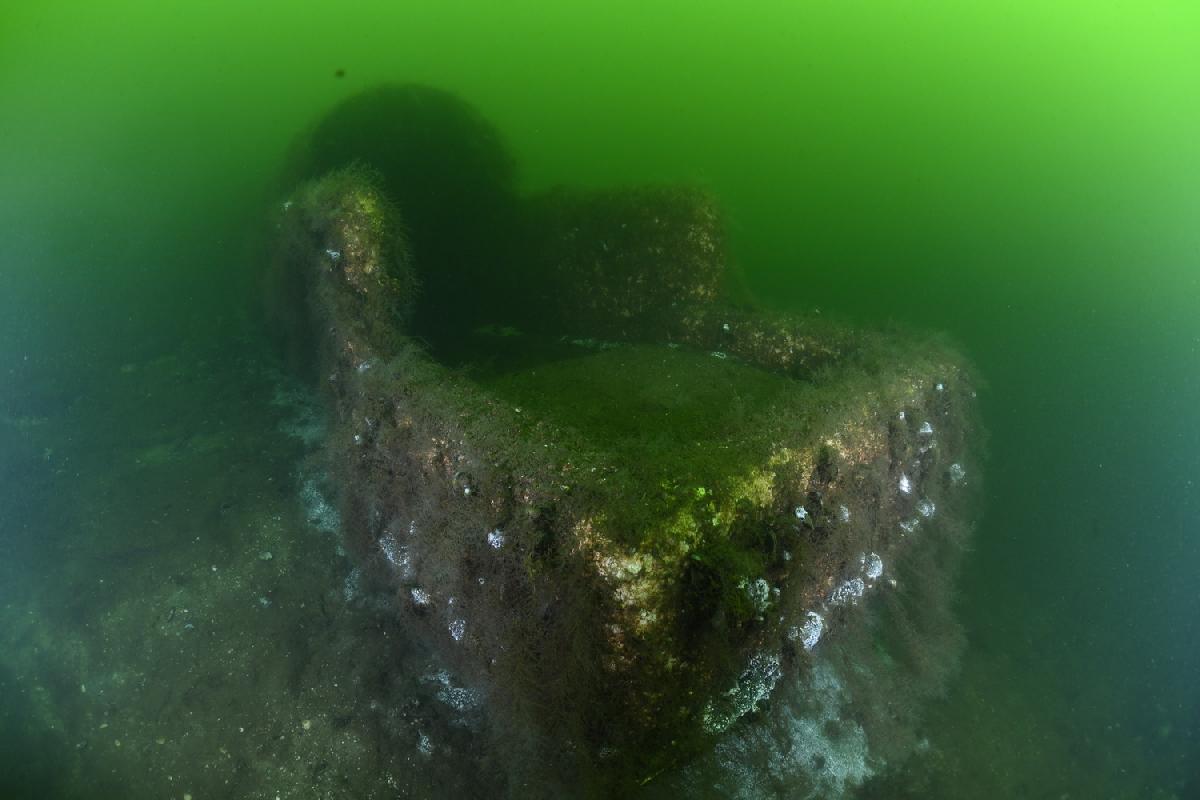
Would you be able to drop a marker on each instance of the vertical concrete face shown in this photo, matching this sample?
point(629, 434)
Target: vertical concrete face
point(628, 542)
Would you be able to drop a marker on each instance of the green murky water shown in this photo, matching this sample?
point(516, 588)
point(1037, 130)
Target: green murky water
point(1023, 176)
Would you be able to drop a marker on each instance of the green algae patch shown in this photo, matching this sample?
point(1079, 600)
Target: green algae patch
point(678, 430)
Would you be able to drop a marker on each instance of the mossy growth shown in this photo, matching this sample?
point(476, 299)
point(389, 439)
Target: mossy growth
point(716, 586)
point(347, 222)
point(682, 436)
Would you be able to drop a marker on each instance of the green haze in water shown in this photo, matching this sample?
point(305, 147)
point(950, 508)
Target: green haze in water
point(1024, 176)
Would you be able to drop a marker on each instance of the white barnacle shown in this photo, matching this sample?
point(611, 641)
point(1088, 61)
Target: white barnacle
point(926, 508)
point(957, 473)
point(847, 592)
point(759, 593)
point(718, 354)
point(909, 525)
point(420, 596)
point(810, 632)
point(872, 566)
point(902, 416)
point(334, 255)
point(396, 554)
point(802, 513)
point(754, 685)
point(496, 539)
point(941, 387)
point(906, 486)
point(926, 429)
point(457, 628)
point(843, 513)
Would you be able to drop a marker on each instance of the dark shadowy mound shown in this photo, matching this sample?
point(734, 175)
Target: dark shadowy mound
point(446, 170)
point(641, 520)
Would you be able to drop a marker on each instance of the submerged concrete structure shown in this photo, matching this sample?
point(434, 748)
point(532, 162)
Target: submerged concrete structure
point(622, 506)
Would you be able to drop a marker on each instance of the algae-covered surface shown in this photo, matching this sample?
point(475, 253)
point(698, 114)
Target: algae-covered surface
point(875, 214)
point(667, 540)
point(680, 425)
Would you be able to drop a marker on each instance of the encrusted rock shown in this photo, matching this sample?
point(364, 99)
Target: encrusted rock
point(621, 542)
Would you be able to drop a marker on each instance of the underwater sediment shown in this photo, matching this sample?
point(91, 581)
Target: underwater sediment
point(652, 525)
